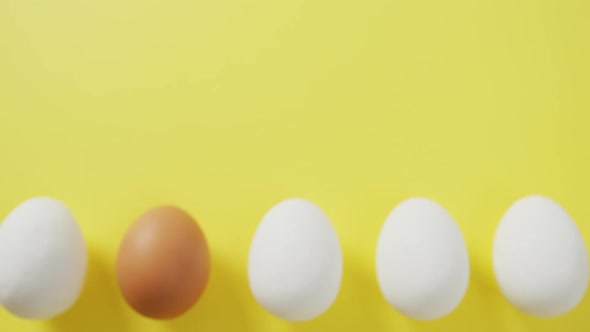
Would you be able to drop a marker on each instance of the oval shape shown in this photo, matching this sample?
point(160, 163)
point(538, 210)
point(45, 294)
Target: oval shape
point(43, 259)
point(295, 261)
point(163, 263)
point(540, 258)
point(421, 260)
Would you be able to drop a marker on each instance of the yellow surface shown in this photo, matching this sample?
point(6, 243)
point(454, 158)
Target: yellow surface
point(225, 107)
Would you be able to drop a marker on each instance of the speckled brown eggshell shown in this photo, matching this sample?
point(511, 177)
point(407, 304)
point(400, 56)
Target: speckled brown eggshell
point(163, 263)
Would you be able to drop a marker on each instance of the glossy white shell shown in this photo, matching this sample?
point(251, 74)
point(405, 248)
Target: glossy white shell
point(540, 258)
point(43, 259)
point(295, 261)
point(422, 261)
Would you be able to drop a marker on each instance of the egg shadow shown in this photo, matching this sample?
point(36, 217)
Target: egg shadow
point(486, 310)
point(574, 320)
point(356, 307)
point(222, 307)
point(98, 308)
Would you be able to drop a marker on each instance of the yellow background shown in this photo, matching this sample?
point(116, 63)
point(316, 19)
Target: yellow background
point(225, 107)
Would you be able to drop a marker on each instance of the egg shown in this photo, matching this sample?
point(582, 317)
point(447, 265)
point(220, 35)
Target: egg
point(421, 260)
point(163, 263)
point(43, 259)
point(295, 261)
point(539, 257)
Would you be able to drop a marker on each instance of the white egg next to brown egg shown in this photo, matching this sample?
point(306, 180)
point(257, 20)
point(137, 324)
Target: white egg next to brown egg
point(295, 261)
point(43, 259)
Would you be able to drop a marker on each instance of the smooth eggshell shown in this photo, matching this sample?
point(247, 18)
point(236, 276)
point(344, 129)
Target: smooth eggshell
point(295, 261)
point(421, 259)
point(43, 259)
point(163, 263)
point(540, 258)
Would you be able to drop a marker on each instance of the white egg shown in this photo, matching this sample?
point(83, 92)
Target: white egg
point(43, 259)
point(295, 261)
point(421, 260)
point(540, 258)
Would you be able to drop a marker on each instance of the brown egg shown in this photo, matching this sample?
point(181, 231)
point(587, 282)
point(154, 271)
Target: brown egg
point(163, 263)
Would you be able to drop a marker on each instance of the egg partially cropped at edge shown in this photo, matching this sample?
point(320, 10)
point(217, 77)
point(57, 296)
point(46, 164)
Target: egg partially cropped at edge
point(295, 261)
point(421, 260)
point(43, 259)
point(163, 263)
point(540, 259)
